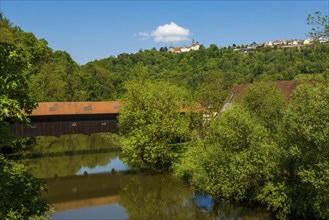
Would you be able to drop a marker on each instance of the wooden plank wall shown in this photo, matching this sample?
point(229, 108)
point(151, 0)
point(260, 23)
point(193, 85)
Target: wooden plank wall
point(57, 128)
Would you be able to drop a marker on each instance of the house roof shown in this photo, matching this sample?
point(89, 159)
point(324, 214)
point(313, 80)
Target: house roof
point(70, 108)
point(285, 86)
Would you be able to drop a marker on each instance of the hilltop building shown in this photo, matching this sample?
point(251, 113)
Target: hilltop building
point(194, 46)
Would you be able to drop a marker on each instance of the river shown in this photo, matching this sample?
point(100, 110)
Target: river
point(88, 180)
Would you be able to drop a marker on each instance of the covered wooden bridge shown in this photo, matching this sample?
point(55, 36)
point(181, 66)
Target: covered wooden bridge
point(58, 118)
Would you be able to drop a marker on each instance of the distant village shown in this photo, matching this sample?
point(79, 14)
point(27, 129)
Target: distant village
point(254, 45)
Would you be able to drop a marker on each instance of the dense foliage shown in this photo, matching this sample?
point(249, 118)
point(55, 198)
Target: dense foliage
point(283, 166)
point(14, 92)
point(52, 75)
point(211, 69)
point(20, 191)
point(152, 122)
point(306, 150)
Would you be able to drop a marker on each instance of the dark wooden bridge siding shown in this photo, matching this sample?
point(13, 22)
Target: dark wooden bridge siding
point(66, 124)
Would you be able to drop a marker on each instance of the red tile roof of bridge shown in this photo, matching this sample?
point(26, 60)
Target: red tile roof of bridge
point(76, 108)
point(83, 108)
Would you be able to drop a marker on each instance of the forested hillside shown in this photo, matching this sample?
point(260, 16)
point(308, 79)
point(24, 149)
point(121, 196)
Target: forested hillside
point(51, 74)
point(208, 73)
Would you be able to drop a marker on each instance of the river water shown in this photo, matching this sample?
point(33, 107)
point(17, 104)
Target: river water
point(88, 180)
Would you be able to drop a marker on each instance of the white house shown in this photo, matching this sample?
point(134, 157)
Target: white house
point(277, 42)
point(174, 49)
point(307, 41)
point(289, 42)
point(295, 43)
point(268, 44)
point(324, 39)
point(183, 49)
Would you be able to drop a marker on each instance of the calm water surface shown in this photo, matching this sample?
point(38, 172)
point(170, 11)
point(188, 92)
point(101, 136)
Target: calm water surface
point(88, 180)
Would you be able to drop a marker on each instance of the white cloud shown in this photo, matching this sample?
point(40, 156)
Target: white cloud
point(143, 35)
point(168, 33)
point(170, 39)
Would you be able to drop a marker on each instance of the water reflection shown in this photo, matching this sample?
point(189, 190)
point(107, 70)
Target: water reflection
point(115, 211)
point(224, 210)
point(158, 196)
point(67, 155)
point(75, 192)
point(203, 201)
point(113, 165)
point(136, 196)
point(76, 142)
point(98, 185)
point(229, 211)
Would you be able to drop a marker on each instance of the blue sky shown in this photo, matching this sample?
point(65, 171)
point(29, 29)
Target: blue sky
point(90, 30)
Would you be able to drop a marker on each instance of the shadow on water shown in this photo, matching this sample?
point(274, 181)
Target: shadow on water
point(224, 210)
point(64, 153)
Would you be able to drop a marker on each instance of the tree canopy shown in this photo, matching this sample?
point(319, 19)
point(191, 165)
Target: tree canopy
point(152, 122)
point(20, 191)
point(320, 23)
point(244, 159)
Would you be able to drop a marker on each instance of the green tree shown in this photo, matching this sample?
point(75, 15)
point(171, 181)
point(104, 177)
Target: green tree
point(264, 102)
point(236, 161)
point(20, 191)
point(321, 23)
point(154, 127)
point(99, 83)
point(307, 150)
point(212, 90)
point(14, 92)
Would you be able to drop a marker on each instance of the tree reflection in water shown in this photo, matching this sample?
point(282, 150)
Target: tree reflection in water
point(141, 195)
point(163, 196)
point(158, 196)
point(65, 155)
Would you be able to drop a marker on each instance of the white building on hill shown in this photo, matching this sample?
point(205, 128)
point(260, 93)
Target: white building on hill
point(183, 49)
